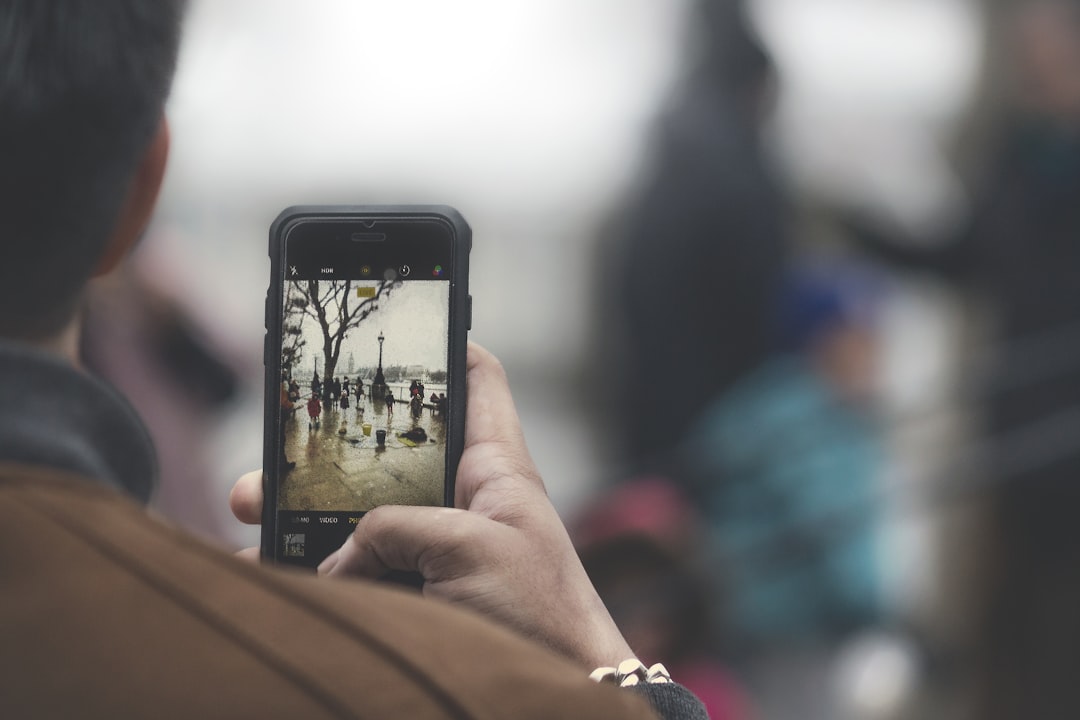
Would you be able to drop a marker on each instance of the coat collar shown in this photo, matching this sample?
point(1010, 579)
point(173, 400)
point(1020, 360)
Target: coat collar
point(56, 415)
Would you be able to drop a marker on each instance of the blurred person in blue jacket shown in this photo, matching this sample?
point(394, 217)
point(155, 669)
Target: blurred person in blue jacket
point(786, 467)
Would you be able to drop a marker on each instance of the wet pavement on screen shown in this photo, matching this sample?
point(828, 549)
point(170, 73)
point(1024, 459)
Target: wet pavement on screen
point(348, 471)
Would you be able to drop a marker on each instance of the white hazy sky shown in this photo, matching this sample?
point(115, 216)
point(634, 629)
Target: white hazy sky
point(412, 320)
point(532, 117)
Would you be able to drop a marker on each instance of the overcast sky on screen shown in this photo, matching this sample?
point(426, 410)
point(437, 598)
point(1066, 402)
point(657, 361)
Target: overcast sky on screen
point(412, 320)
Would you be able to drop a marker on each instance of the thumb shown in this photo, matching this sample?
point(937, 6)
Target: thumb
point(494, 443)
point(490, 413)
point(246, 498)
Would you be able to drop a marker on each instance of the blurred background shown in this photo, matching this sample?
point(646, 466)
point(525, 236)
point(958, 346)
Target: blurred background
point(787, 291)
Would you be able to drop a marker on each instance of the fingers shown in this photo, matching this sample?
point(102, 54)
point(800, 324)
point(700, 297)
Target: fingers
point(246, 498)
point(431, 541)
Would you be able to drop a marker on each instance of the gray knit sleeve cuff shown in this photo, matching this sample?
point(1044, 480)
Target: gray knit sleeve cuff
point(672, 701)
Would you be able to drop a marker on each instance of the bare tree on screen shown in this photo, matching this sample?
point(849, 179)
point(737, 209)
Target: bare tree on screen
point(338, 310)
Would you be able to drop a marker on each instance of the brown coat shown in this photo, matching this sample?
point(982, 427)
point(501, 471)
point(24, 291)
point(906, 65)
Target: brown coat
point(106, 612)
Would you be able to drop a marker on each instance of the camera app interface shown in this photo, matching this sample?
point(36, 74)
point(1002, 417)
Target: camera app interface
point(363, 396)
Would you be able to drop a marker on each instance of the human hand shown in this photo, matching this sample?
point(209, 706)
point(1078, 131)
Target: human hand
point(503, 551)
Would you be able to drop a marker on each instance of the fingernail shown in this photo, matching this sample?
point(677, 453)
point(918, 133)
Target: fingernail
point(329, 563)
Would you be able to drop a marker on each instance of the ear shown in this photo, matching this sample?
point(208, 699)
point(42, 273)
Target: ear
point(140, 201)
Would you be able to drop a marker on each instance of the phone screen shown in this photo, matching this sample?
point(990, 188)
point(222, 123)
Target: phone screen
point(365, 371)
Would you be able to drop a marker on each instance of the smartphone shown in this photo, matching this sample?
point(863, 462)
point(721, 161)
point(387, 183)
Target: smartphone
point(367, 318)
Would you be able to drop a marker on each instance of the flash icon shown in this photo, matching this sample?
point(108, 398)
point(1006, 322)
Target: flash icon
point(293, 271)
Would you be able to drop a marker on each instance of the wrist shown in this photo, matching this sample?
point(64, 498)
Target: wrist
point(602, 643)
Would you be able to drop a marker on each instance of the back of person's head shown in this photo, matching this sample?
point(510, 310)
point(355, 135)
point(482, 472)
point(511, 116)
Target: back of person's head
point(819, 296)
point(82, 89)
point(733, 57)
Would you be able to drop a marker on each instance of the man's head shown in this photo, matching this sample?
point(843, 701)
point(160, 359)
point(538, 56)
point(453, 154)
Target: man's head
point(734, 56)
point(82, 145)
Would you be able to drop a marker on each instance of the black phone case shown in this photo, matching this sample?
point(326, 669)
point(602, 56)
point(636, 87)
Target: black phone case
point(460, 322)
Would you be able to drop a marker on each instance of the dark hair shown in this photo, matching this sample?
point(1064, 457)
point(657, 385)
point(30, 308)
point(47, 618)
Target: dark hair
point(82, 88)
point(734, 58)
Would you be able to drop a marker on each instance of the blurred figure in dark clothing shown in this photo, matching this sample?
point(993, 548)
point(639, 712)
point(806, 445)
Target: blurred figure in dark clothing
point(696, 252)
point(1020, 252)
